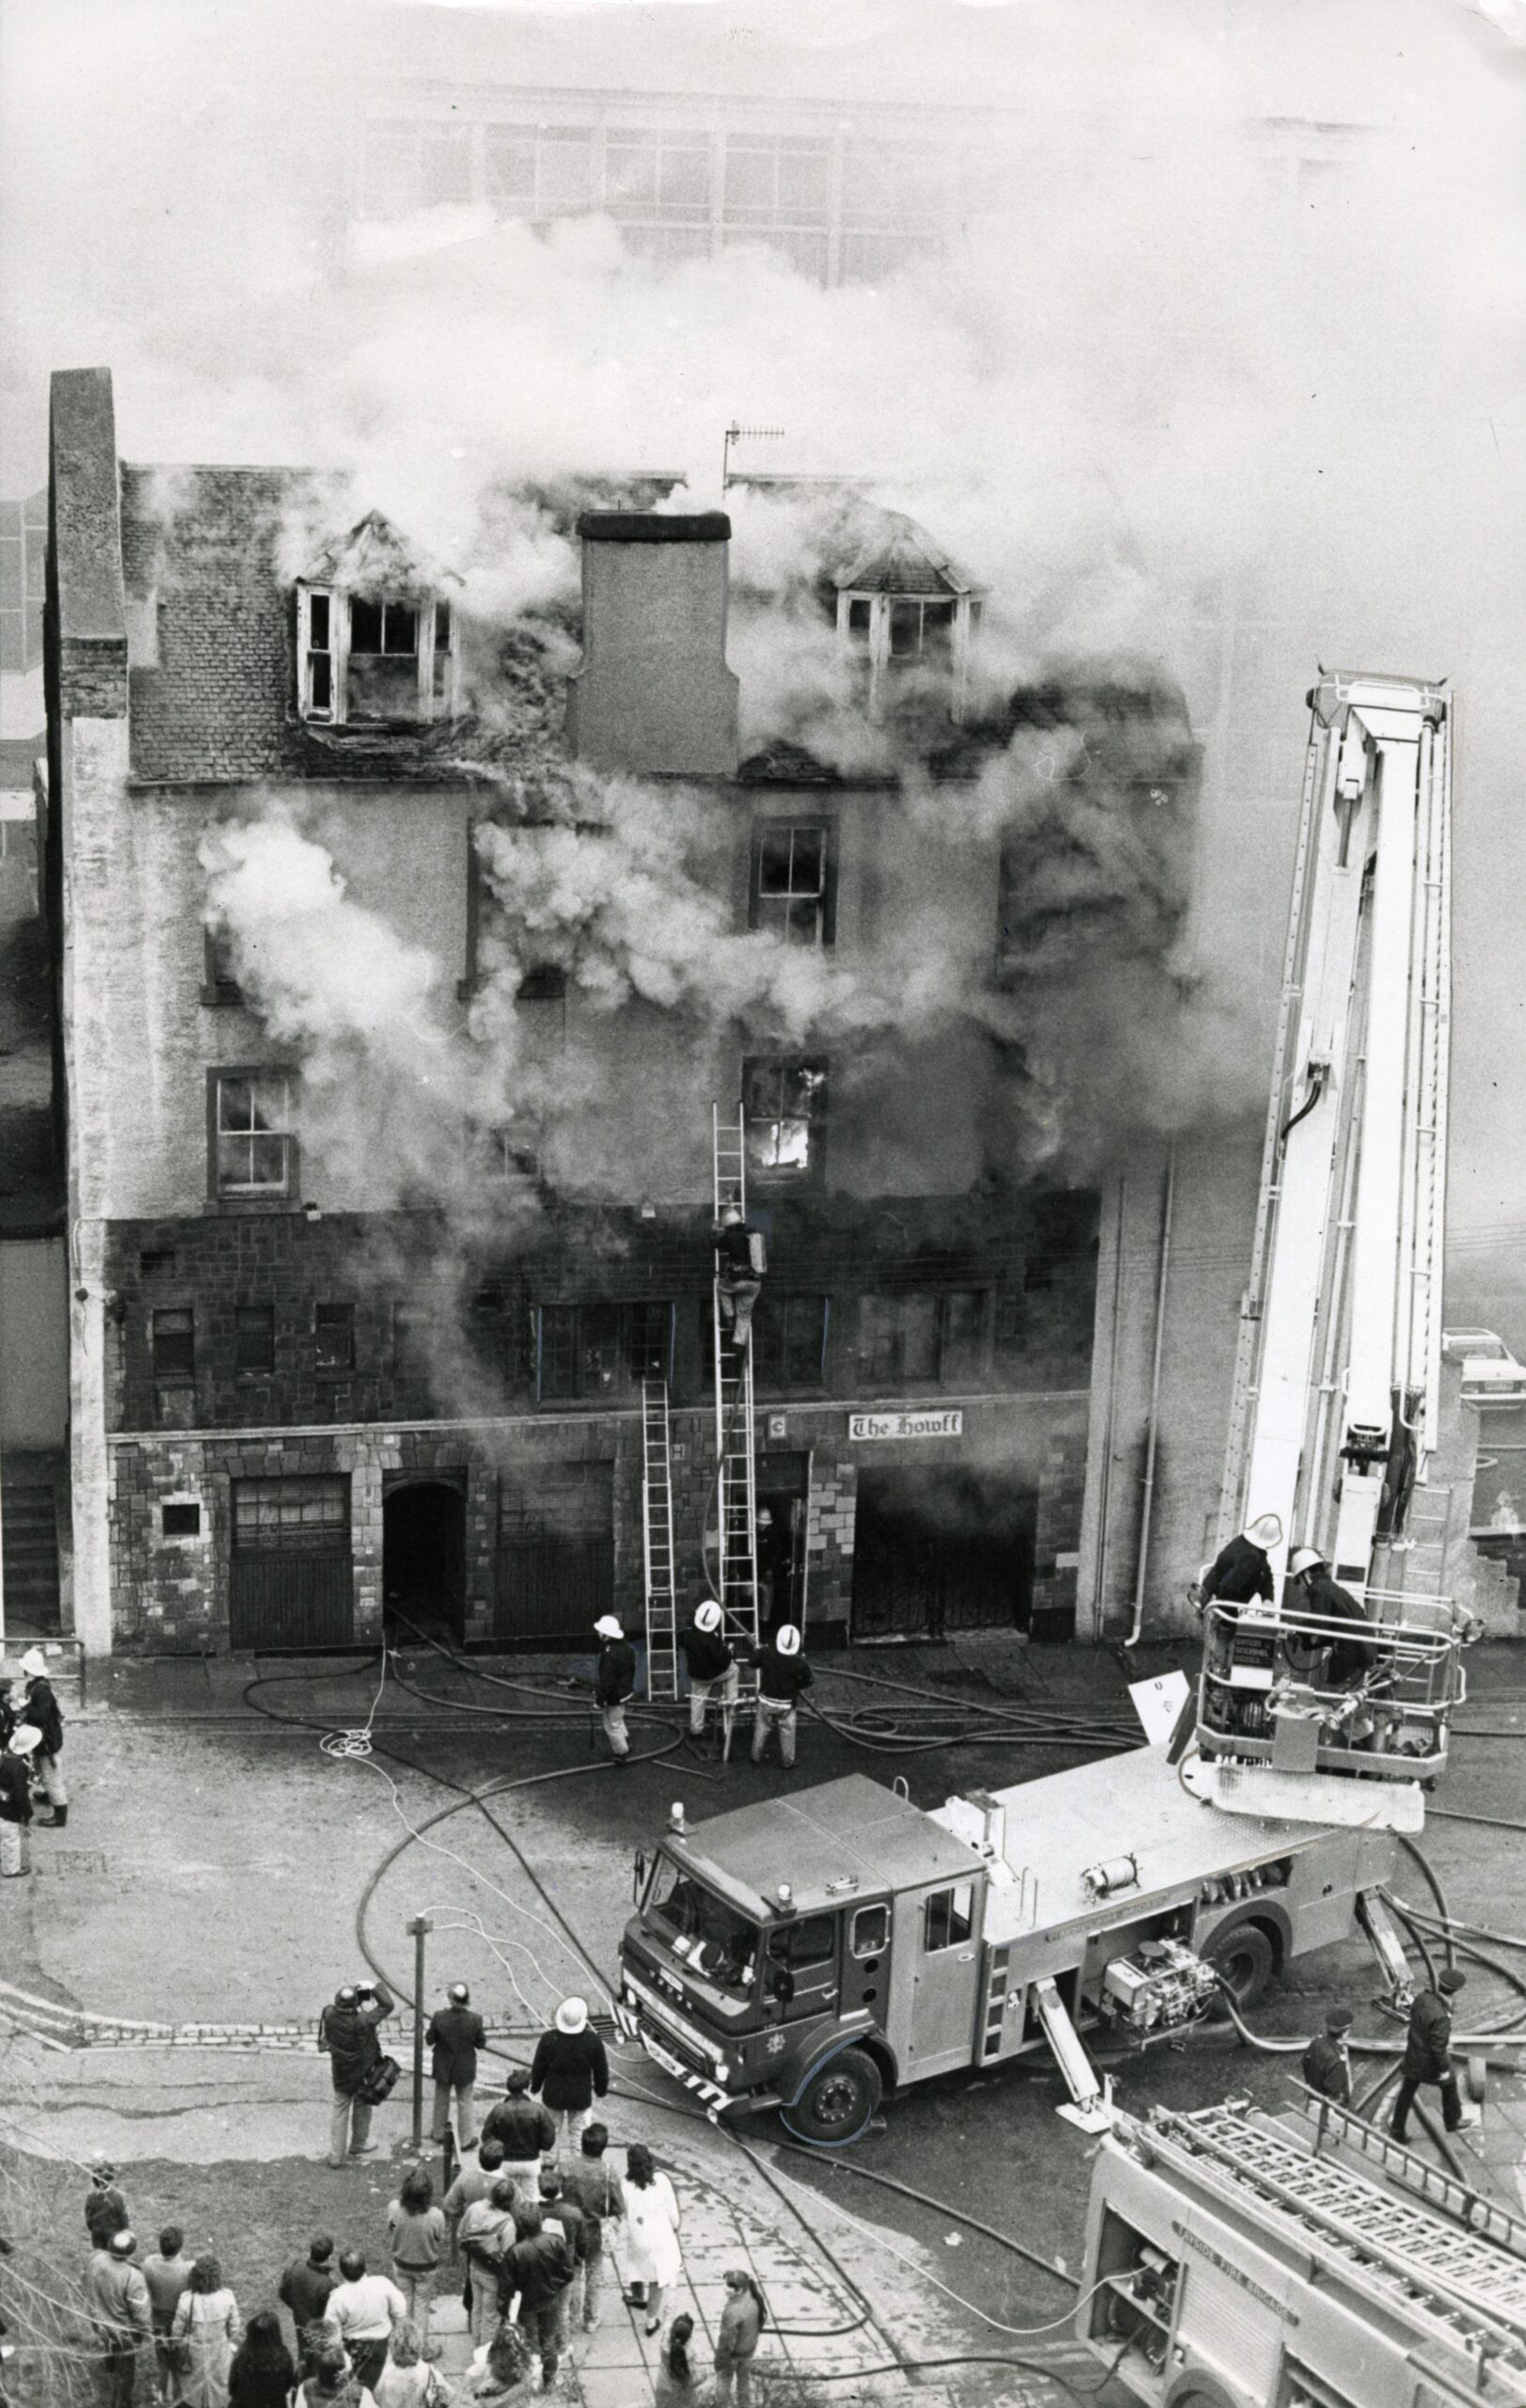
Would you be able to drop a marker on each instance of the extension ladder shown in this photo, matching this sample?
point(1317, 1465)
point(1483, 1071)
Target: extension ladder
point(1464, 2281)
point(735, 1570)
point(657, 1541)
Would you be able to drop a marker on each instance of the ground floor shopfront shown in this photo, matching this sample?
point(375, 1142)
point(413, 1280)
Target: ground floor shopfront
point(876, 1522)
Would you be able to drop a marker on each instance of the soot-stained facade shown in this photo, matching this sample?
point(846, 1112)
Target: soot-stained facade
point(313, 1381)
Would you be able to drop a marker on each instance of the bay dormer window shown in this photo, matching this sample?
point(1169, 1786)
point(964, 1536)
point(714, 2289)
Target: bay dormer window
point(906, 613)
point(375, 635)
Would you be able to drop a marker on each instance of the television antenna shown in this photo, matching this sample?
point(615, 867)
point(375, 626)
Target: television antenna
point(735, 434)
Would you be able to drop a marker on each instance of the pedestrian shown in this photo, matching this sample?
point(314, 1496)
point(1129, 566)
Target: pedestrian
point(416, 2228)
point(654, 2260)
point(614, 1684)
point(1326, 2061)
point(105, 2208)
point(740, 1260)
point(263, 2373)
point(17, 1748)
point(365, 2307)
point(123, 2321)
point(347, 2036)
point(207, 2324)
point(42, 1711)
point(455, 2035)
point(166, 2270)
point(408, 2380)
point(473, 2182)
point(487, 2228)
point(560, 2209)
point(306, 2288)
point(782, 1674)
point(742, 2319)
point(538, 2270)
point(333, 2384)
point(676, 2381)
point(713, 1668)
point(1427, 2056)
point(596, 2186)
point(522, 2130)
point(568, 2070)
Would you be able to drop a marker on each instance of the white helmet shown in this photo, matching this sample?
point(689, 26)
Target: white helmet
point(35, 1664)
point(708, 1618)
point(1265, 1530)
point(786, 1639)
point(608, 1627)
point(1304, 1559)
point(24, 1739)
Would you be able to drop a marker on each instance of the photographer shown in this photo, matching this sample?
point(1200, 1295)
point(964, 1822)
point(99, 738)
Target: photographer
point(347, 2036)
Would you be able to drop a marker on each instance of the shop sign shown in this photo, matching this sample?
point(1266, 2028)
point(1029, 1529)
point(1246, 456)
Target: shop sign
point(906, 1425)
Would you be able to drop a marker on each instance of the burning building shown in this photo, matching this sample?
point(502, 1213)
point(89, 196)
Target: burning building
point(400, 961)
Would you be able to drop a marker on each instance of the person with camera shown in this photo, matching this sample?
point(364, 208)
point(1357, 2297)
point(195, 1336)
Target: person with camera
point(347, 2036)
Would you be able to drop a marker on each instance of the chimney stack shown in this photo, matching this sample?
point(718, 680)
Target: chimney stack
point(654, 694)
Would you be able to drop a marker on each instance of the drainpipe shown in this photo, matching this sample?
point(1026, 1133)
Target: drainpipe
point(1147, 1502)
point(1105, 1502)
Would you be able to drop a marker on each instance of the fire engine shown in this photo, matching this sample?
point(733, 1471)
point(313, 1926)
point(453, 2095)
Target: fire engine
point(1236, 2260)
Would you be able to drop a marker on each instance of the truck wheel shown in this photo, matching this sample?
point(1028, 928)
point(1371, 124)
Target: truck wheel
point(1245, 1960)
point(838, 2100)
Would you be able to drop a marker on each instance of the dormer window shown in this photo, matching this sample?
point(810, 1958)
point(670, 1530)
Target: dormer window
point(375, 638)
point(904, 607)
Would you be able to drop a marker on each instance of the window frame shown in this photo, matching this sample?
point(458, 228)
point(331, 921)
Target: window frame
point(435, 664)
point(760, 905)
point(220, 990)
point(164, 1374)
point(268, 1199)
point(576, 1346)
point(333, 1368)
point(873, 1374)
point(813, 1169)
point(957, 1938)
point(247, 1326)
point(861, 1952)
point(772, 1303)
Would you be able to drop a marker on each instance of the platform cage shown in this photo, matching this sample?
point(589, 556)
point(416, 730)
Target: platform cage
point(1281, 1687)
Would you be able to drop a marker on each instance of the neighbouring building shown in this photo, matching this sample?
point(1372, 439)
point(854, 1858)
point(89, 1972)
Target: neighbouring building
point(305, 1384)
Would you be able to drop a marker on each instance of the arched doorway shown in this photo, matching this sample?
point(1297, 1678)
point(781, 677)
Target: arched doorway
point(424, 1553)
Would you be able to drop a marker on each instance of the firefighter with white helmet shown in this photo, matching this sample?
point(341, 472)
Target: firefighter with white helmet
point(1243, 1570)
point(1352, 1654)
point(740, 1260)
point(713, 1667)
point(782, 1674)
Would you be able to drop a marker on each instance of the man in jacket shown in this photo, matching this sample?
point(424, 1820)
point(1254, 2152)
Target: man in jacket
point(15, 1750)
point(1427, 2056)
point(347, 2036)
point(1351, 1652)
point(366, 2309)
point(123, 2321)
point(304, 2289)
point(596, 2188)
point(455, 2035)
point(1326, 2061)
point(713, 1668)
point(569, 2067)
point(538, 2269)
point(472, 2182)
point(488, 2228)
point(782, 1674)
point(42, 1712)
point(1243, 1570)
point(523, 2131)
point(105, 2208)
point(614, 1684)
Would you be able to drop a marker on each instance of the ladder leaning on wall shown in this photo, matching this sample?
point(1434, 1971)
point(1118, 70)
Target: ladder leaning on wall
point(733, 1500)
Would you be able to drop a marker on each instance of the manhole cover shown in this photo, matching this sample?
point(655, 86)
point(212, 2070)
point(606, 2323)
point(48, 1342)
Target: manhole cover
point(70, 1860)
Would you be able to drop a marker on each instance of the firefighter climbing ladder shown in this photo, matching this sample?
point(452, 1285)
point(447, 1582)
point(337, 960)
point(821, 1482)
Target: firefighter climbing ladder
point(736, 1569)
point(1474, 2286)
point(657, 1541)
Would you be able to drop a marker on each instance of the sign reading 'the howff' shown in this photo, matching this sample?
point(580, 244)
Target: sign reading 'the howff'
point(906, 1425)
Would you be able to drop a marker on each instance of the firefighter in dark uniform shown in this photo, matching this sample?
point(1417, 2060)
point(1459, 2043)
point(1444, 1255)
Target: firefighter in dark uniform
point(740, 1260)
point(1352, 1654)
point(1427, 2056)
point(1326, 2061)
point(1243, 1570)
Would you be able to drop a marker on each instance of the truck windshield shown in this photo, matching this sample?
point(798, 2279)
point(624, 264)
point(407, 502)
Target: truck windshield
point(711, 1938)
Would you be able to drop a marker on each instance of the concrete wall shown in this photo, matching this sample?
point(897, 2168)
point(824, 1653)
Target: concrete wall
point(34, 1344)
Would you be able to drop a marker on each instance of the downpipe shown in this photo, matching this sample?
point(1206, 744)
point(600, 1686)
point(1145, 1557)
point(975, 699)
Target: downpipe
point(1148, 1499)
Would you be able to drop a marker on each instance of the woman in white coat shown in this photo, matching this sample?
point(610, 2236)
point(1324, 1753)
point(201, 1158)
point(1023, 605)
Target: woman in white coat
point(654, 2260)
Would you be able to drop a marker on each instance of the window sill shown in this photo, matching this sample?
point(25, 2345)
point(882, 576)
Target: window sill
point(224, 998)
point(254, 1204)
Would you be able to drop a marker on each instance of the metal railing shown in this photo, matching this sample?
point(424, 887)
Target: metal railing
point(1379, 1692)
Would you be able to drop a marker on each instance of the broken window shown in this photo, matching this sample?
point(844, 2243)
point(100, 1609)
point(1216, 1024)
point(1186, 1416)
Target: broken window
point(333, 1336)
point(784, 1106)
point(383, 679)
point(375, 659)
point(254, 1341)
point(173, 1335)
point(253, 1136)
point(595, 1349)
point(922, 631)
point(793, 881)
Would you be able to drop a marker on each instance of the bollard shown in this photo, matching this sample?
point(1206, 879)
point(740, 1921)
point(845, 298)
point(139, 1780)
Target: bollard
point(418, 1927)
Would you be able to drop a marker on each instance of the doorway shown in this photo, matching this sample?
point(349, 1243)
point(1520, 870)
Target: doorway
point(941, 1551)
point(783, 1491)
point(424, 1555)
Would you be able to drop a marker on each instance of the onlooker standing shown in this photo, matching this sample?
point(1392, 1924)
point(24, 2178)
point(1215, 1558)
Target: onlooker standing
point(569, 2068)
point(167, 2272)
point(501, 2373)
point(487, 2228)
point(263, 2373)
point(782, 1674)
point(416, 2228)
point(208, 2323)
point(614, 1684)
point(1326, 2061)
point(1427, 2056)
point(742, 2319)
point(306, 2288)
point(347, 2036)
point(8, 1716)
point(596, 2186)
point(123, 2321)
point(334, 2385)
point(539, 2269)
point(42, 1712)
point(17, 1748)
point(712, 1667)
point(560, 2213)
point(105, 2209)
point(523, 2130)
point(364, 2307)
point(408, 2380)
point(653, 2255)
point(674, 2378)
point(472, 2182)
point(455, 2035)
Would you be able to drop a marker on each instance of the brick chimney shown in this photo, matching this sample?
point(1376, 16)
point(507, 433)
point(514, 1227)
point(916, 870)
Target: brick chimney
point(654, 694)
